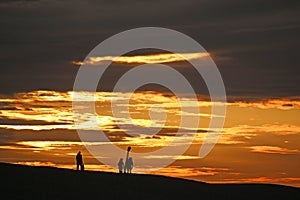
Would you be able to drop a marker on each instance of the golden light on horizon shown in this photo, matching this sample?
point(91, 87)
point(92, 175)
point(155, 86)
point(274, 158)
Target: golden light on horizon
point(43, 133)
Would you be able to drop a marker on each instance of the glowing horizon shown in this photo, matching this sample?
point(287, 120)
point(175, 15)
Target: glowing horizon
point(40, 124)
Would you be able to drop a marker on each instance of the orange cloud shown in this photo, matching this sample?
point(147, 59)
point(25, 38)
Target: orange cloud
point(283, 104)
point(273, 150)
point(293, 181)
point(145, 59)
point(179, 171)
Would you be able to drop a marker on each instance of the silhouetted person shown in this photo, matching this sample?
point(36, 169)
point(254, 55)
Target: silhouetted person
point(130, 165)
point(126, 161)
point(79, 161)
point(120, 165)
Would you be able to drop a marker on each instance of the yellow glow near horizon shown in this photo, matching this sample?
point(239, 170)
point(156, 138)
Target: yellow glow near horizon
point(38, 129)
point(146, 59)
point(46, 110)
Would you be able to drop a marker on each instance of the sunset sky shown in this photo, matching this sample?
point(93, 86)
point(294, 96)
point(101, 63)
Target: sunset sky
point(255, 45)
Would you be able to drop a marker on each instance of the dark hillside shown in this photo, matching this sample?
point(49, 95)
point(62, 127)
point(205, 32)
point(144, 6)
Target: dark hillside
point(25, 182)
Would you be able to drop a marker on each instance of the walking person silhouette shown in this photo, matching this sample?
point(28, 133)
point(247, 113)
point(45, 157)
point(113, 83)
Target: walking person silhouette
point(79, 161)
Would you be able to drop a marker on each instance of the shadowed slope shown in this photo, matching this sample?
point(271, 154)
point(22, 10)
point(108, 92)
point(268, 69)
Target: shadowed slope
point(24, 182)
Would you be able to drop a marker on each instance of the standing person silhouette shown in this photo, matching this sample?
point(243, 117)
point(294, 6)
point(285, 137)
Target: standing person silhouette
point(130, 165)
point(120, 165)
point(126, 161)
point(79, 161)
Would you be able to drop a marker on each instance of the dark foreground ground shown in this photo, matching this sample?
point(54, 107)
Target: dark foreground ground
point(24, 182)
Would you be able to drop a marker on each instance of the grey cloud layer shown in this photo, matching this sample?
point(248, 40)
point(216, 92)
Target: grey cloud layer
point(255, 43)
